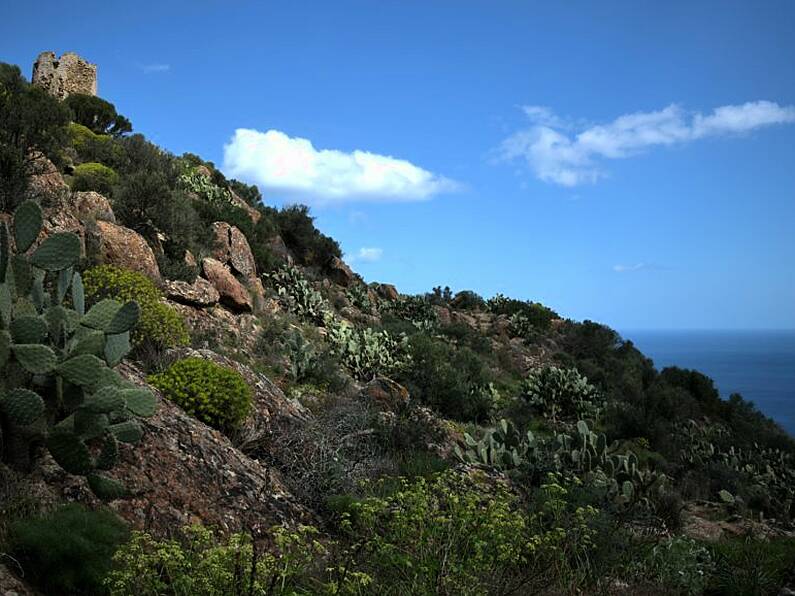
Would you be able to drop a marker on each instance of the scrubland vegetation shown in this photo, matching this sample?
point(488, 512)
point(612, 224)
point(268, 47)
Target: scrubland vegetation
point(536, 454)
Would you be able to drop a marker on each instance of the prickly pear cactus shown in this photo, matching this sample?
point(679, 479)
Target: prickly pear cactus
point(57, 383)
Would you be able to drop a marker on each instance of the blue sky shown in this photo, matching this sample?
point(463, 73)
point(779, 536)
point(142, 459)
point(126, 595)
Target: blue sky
point(627, 162)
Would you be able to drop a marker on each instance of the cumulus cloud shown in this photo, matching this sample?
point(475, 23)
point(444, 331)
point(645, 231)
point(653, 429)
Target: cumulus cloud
point(151, 68)
point(560, 152)
point(292, 165)
point(366, 255)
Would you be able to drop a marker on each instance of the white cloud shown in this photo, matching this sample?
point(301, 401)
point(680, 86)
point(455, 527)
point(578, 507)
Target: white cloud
point(629, 268)
point(366, 255)
point(150, 68)
point(279, 163)
point(558, 156)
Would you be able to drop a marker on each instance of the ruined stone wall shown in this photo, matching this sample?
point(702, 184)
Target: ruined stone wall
point(64, 76)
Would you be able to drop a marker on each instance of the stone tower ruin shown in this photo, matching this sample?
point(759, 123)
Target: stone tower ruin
point(64, 76)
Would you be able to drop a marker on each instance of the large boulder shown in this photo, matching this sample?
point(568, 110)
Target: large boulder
point(232, 248)
point(340, 273)
point(233, 294)
point(45, 181)
point(124, 247)
point(88, 205)
point(200, 293)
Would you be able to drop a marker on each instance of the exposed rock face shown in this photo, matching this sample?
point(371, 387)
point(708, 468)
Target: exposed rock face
point(11, 586)
point(340, 273)
point(277, 246)
point(241, 204)
point(217, 325)
point(232, 293)
point(46, 181)
point(61, 77)
point(184, 472)
point(387, 292)
point(232, 248)
point(200, 293)
point(389, 395)
point(270, 404)
point(126, 248)
point(92, 205)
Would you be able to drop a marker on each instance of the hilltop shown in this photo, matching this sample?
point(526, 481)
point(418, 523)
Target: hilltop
point(200, 396)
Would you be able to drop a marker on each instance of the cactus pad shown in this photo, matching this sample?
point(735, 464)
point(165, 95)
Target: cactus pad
point(27, 225)
point(23, 406)
point(59, 251)
point(140, 402)
point(35, 358)
point(69, 451)
point(28, 330)
point(83, 370)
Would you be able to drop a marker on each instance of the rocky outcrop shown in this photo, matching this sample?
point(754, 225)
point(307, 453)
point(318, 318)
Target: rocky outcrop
point(124, 247)
point(200, 293)
point(270, 407)
point(46, 182)
point(387, 292)
point(61, 77)
point(386, 393)
point(232, 248)
point(184, 472)
point(10, 585)
point(253, 214)
point(232, 293)
point(91, 205)
point(340, 273)
point(279, 249)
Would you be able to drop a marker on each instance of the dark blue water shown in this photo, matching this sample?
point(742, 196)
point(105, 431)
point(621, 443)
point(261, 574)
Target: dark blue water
point(759, 365)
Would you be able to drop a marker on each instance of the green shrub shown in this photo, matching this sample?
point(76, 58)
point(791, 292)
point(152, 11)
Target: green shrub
point(94, 176)
point(69, 550)
point(748, 567)
point(202, 563)
point(455, 381)
point(680, 565)
point(92, 147)
point(97, 114)
point(560, 393)
point(214, 394)
point(160, 324)
point(32, 122)
point(454, 534)
point(305, 241)
point(366, 352)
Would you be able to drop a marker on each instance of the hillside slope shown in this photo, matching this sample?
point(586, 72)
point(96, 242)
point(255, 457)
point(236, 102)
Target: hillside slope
point(336, 436)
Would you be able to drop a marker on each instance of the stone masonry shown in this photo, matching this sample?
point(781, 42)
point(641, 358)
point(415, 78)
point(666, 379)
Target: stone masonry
point(64, 76)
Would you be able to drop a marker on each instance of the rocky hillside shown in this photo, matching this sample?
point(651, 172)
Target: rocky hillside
point(198, 395)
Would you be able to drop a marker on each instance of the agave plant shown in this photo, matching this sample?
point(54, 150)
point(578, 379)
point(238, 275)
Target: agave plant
point(57, 383)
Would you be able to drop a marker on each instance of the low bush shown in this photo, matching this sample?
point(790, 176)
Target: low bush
point(748, 567)
point(216, 395)
point(69, 550)
point(452, 380)
point(202, 563)
point(560, 393)
point(94, 176)
point(366, 352)
point(159, 324)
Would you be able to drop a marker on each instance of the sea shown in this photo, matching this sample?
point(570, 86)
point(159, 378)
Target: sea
point(759, 365)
